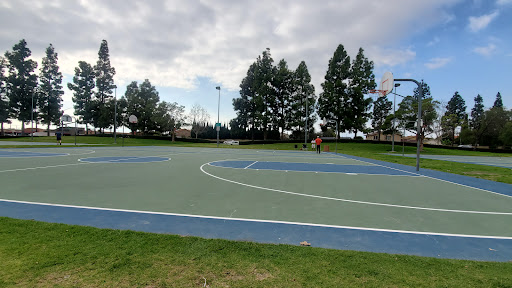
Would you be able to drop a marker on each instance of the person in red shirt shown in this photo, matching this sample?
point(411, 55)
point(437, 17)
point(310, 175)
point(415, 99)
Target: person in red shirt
point(318, 141)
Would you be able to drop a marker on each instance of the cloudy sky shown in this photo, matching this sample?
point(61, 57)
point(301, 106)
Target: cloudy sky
point(187, 48)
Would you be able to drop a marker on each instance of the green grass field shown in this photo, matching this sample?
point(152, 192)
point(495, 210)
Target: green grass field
point(37, 254)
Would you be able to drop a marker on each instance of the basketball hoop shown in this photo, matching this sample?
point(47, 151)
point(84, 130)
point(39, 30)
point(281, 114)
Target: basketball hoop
point(381, 93)
point(386, 85)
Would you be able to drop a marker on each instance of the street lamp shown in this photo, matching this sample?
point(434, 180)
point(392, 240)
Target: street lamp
point(115, 112)
point(217, 125)
point(394, 119)
point(31, 119)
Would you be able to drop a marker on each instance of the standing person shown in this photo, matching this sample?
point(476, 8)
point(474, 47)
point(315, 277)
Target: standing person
point(59, 138)
point(318, 142)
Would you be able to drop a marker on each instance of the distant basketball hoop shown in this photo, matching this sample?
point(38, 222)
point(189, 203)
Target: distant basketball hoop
point(386, 85)
point(66, 118)
point(132, 119)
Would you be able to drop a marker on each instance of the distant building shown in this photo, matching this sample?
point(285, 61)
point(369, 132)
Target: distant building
point(68, 131)
point(374, 136)
point(183, 133)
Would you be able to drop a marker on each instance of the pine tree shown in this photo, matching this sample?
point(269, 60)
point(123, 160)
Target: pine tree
point(246, 104)
point(381, 109)
point(104, 74)
point(284, 89)
point(362, 80)
point(83, 91)
point(49, 92)
point(332, 103)
point(21, 82)
point(303, 99)
point(498, 102)
point(477, 112)
point(454, 116)
point(477, 119)
point(265, 98)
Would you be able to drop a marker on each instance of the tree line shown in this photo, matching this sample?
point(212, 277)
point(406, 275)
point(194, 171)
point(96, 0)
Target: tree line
point(275, 100)
point(450, 123)
point(26, 96)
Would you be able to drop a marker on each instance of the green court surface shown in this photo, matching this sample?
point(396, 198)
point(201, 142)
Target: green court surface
point(290, 187)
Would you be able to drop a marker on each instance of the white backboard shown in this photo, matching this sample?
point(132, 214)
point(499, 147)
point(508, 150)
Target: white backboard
point(386, 84)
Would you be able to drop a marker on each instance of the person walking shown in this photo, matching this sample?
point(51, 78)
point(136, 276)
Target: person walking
point(318, 141)
point(59, 138)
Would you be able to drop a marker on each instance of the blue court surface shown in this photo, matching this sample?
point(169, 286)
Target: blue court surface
point(331, 201)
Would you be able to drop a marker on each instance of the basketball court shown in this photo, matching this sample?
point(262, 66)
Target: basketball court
point(328, 200)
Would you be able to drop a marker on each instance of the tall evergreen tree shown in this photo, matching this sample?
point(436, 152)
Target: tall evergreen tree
point(381, 109)
point(284, 89)
point(83, 91)
point(21, 82)
point(498, 102)
point(362, 80)
point(477, 118)
point(4, 101)
point(104, 74)
point(303, 99)
point(454, 116)
point(265, 98)
point(49, 92)
point(246, 104)
point(477, 112)
point(332, 103)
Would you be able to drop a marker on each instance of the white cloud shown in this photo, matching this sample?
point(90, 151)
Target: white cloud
point(172, 43)
point(486, 50)
point(478, 23)
point(434, 41)
point(503, 2)
point(391, 57)
point(436, 63)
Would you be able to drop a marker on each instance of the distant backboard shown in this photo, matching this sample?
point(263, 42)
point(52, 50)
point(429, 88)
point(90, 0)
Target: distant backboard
point(386, 84)
point(66, 118)
point(132, 119)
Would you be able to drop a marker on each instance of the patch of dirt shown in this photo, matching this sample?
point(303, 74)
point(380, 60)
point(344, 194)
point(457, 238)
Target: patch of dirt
point(262, 275)
point(479, 173)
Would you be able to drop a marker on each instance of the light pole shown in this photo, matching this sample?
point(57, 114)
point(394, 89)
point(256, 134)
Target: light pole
point(394, 119)
point(115, 113)
point(306, 126)
point(418, 130)
point(32, 119)
point(218, 118)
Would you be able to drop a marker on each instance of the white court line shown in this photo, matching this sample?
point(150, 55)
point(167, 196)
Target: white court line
point(307, 171)
point(260, 221)
point(353, 201)
point(47, 151)
point(251, 164)
point(44, 167)
point(442, 180)
point(74, 164)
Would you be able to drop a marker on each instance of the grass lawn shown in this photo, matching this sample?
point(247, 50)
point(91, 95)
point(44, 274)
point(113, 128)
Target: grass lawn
point(36, 254)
